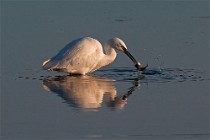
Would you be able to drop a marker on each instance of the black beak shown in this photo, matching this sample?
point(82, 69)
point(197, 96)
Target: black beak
point(129, 55)
point(137, 65)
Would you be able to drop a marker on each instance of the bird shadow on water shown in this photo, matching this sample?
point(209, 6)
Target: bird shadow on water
point(90, 92)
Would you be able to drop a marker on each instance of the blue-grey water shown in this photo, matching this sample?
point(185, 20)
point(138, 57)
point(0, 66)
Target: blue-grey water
point(169, 100)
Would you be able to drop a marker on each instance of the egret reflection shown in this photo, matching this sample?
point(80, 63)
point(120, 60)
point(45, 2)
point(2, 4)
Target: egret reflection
point(87, 92)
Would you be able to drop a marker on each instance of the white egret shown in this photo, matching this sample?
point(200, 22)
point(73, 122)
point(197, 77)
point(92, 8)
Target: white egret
point(86, 55)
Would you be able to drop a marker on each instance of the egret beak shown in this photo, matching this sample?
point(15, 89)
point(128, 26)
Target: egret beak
point(137, 64)
point(129, 55)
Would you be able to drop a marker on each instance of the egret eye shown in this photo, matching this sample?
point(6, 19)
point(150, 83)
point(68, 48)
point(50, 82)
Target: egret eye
point(123, 48)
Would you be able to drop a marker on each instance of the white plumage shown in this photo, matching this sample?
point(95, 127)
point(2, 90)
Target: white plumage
point(86, 55)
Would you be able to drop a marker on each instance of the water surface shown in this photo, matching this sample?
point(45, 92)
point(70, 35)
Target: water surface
point(169, 100)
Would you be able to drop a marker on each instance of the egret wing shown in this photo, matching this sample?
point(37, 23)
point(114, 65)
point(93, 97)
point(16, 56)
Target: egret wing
point(81, 56)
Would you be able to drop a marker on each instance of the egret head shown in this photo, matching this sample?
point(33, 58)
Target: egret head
point(119, 45)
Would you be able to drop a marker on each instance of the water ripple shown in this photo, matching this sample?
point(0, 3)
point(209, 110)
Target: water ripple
point(128, 74)
point(152, 74)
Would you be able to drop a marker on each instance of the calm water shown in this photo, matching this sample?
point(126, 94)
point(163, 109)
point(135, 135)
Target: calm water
point(169, 100)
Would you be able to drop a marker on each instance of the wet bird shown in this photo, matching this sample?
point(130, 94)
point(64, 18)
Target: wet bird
point(86, 55)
